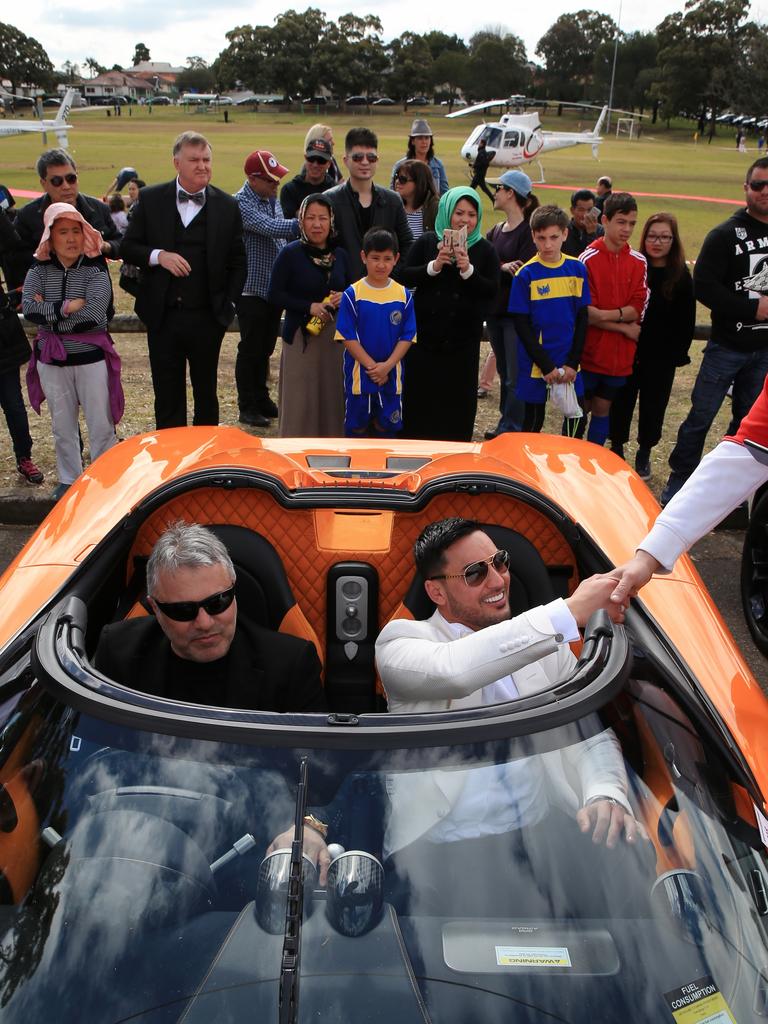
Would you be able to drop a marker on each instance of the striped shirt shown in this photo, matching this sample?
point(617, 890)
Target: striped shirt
point(87, 279)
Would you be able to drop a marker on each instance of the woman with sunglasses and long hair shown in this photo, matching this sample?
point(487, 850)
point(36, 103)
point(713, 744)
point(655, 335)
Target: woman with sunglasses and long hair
point(307, 281)
point(665, 338)
point(513, 242)
point(421, 147)
point(416, 187)
point(454, 289)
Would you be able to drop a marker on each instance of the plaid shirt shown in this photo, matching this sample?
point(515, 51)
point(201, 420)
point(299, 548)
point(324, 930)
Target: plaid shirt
point(265, 231)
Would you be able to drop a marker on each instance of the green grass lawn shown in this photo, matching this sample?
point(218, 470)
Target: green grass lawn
point(662, 161)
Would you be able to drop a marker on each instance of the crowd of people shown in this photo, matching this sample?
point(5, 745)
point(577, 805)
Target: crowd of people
point(381, 297)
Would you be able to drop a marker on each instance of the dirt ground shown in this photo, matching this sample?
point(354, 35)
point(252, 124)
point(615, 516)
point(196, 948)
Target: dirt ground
point(139, 415)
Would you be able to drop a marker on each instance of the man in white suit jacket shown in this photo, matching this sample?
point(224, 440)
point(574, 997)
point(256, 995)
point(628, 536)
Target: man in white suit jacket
point(470, 653)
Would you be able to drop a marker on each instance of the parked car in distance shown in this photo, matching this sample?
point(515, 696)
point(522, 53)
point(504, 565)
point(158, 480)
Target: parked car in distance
point(384, 101)
point(420, 101)
point(356, 101)
point(160, 101)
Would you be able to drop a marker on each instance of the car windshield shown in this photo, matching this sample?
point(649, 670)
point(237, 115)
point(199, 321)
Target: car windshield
point(135, 885)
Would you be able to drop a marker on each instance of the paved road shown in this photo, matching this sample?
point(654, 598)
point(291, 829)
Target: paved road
point(717, 559)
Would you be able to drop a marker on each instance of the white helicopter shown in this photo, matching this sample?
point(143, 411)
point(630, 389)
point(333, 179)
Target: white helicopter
point(519, 138)
point(58, 125)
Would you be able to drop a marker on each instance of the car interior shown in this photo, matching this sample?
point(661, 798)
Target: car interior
point(334, 571)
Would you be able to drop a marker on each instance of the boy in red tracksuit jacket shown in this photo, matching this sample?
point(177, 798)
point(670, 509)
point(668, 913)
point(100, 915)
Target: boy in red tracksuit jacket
point(619, 291)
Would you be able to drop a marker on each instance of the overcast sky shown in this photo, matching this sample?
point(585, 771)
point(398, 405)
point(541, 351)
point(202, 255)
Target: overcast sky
point(174, 30)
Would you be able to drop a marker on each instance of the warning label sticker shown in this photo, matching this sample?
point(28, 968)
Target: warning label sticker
point(699, 1002)
point(533, 956)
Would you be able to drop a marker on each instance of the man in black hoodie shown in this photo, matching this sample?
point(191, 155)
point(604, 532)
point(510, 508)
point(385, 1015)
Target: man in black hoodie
point(731, 278)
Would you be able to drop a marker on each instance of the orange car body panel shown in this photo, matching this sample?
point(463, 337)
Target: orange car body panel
point(597, 490)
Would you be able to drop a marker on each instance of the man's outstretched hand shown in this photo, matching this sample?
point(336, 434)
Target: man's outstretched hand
point(594, 593)
point(633, 575)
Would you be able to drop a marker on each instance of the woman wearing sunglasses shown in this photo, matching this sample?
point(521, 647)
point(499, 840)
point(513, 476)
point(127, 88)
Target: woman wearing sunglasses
point(307, 281)
point(665, 338)
point(455, 287)
point(421, 147)
point(416, 187)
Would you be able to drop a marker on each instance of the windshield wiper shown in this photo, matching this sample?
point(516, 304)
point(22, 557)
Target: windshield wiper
point(290, 964)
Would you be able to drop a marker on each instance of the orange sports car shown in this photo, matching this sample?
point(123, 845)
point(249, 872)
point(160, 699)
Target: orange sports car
point(139, 879)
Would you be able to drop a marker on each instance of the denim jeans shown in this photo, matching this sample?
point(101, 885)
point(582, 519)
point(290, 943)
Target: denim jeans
point(503, 338)
point(720, 367)
point(12, 404)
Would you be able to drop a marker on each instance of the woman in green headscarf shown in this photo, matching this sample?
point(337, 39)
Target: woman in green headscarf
point(454, 290)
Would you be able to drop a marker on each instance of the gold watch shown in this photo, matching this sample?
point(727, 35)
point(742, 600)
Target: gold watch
point(316, 824)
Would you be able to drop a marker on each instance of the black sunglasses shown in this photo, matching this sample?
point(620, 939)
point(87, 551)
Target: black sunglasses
point(359, 157)
point(758, 186)
point(317, 160)
point(401, 178)
point(187, 611)
point(58, 179)
point(476, 572)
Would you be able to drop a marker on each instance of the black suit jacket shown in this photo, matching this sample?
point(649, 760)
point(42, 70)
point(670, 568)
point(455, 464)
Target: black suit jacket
point(266, 671)
point(152, 226)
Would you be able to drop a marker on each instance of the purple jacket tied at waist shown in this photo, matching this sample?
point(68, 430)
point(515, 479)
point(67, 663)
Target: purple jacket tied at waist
point(53, 350)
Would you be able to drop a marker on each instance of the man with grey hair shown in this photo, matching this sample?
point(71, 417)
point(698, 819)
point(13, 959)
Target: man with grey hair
point(58, 176)
point(186, 236)
point(196, 648)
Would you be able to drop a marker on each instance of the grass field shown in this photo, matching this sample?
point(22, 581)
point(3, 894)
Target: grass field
point(662, 161)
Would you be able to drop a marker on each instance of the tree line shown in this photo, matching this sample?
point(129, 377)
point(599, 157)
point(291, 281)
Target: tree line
point(700, 62)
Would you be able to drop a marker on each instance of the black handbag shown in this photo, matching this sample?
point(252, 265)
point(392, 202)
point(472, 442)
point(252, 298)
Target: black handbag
point(14, 347)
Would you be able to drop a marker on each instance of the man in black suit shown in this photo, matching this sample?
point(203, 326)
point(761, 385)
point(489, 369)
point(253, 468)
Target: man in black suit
point(187, 237)
point(195, 649)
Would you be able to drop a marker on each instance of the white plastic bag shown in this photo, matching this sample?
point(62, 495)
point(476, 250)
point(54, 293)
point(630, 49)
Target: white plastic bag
point(563, 397)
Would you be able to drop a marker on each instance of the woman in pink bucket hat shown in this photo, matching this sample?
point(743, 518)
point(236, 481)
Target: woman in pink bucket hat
point(67, 291)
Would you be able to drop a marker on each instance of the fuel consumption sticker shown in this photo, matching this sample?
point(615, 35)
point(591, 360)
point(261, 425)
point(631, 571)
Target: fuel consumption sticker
point(533, 956)
point(700, 1002)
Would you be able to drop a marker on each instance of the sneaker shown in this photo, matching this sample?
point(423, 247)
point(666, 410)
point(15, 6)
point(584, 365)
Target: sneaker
point(269, 409)
point(643, 463)
point(482, 392)
point(60, 490)
point(29, 471)
point(617, 449)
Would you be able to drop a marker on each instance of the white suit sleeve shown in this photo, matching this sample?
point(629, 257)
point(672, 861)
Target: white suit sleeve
point(722, 480)
point(599, 764)
point(413, 667)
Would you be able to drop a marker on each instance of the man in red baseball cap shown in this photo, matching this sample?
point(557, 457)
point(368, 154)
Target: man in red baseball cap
point(265, 231)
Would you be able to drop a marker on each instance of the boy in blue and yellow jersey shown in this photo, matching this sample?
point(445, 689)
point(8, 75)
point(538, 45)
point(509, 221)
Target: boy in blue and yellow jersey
point(548, 303)
point(377, 324)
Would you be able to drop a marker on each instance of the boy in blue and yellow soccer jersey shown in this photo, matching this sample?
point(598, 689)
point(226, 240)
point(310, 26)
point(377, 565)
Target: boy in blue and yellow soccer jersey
point(548, 303)
point(377, 324)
